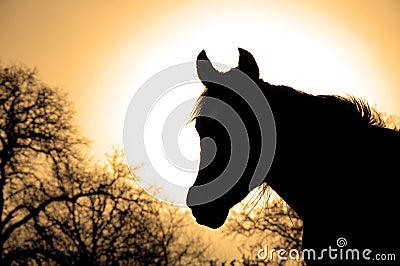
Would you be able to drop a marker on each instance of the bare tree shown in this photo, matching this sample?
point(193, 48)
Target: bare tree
point(123, 224)
point(58, 207)
point(263, 221)
point(36, 128)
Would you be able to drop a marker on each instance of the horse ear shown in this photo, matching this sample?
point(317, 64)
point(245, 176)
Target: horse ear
point(248, 64)
point(205, 70)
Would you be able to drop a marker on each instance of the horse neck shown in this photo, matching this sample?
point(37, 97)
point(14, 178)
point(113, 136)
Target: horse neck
point(309, 171)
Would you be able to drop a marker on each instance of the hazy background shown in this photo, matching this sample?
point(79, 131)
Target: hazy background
point(102, 51)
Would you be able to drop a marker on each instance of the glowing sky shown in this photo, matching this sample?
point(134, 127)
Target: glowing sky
point(101, 51)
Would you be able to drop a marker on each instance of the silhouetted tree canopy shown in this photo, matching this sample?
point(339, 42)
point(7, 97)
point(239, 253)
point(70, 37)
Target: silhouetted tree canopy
point(36, 130)
point(57, 207)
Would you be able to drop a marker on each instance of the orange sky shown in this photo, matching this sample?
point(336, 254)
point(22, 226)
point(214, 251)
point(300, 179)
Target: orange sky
point(101, 51)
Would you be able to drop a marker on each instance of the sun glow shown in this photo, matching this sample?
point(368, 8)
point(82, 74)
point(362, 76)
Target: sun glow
point(289, 53)
point(172, 144)
point(318, 48)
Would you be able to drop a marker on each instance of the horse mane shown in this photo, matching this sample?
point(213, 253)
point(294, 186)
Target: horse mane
point(196, 112)
point(357, 110)
point(348, 109)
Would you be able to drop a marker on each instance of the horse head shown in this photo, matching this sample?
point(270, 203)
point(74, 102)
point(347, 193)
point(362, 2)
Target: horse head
point(221, 115)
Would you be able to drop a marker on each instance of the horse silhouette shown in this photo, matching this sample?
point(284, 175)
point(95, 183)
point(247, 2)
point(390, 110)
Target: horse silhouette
point(334, 164)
